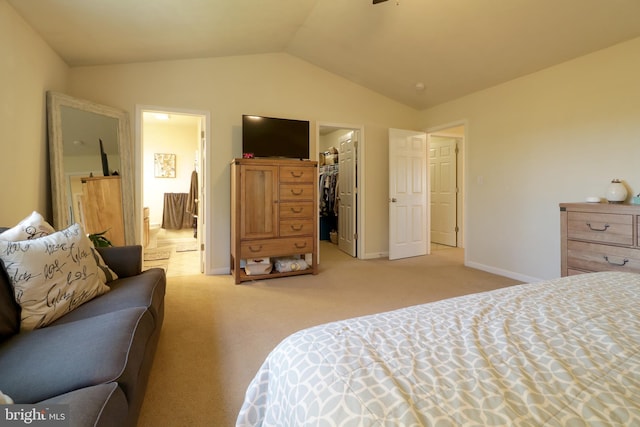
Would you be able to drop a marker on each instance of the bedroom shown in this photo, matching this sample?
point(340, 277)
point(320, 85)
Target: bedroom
point(556, 135)
point(555, 120)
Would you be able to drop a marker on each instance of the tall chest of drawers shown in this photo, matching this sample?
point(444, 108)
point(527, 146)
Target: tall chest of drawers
point(274, 211)
point(599, 237)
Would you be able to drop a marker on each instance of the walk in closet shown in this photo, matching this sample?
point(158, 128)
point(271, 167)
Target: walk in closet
point(328, 192)
point(338, 205)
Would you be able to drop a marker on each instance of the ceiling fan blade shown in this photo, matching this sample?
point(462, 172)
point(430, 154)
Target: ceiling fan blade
point(378, 1)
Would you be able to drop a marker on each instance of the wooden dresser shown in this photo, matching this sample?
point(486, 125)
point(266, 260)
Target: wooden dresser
point(274, 211)
point(599, 237)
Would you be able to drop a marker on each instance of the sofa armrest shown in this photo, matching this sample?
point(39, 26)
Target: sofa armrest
point(125, 261)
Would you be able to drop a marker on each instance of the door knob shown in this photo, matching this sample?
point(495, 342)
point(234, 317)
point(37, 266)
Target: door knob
point(393, 200)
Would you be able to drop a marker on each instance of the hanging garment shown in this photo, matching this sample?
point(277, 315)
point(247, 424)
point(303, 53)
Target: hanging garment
point(328, 183)
point(192, 199)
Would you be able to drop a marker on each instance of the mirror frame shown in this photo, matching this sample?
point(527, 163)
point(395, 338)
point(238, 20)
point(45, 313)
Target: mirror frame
point(61, 216)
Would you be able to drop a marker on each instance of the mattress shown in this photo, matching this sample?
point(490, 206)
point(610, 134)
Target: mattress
point(564, 352)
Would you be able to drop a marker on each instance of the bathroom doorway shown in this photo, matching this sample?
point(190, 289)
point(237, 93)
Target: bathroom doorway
point(172, 168)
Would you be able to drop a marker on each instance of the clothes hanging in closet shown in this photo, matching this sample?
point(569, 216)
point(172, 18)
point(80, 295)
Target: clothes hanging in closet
point(328, 183)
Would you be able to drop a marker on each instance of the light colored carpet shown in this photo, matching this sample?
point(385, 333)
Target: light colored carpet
point(216, 334)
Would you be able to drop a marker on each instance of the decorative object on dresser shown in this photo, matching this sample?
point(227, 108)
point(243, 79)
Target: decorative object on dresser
point(616, 192)
point(599, 237)
point(274, 210)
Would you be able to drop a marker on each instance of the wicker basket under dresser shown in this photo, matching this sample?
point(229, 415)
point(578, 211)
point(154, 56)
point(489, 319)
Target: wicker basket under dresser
point(599, 237)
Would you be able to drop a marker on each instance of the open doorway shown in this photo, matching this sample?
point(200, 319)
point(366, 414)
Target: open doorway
point(340, 153)
point(446, 147)
point(171, 161)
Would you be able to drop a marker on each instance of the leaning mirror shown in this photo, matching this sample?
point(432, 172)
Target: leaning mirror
point(91, 167)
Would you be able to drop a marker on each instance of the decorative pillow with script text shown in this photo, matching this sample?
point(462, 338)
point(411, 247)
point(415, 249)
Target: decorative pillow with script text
point(31, 227)
point(34, 226)
point(52, 275)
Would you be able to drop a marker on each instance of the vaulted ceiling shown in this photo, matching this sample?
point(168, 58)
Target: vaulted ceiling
point(449, 47)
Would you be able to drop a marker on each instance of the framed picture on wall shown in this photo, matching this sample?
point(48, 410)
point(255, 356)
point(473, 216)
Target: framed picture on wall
point(164, 165)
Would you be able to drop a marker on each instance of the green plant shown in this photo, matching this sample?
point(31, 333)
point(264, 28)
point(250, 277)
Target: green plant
point(99, 240)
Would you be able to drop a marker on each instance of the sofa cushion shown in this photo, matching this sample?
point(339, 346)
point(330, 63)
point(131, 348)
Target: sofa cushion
point(126, 261)
point(9, 308)
point(31, 227)
point(69, 356)
point(103, 405)
point(146, 290)
point(52, 275)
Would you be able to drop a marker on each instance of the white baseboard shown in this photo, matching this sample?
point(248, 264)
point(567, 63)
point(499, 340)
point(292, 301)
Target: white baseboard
point(500, 272)
point(375, 255)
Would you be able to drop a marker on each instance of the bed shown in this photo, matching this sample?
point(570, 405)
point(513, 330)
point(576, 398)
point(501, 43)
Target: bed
point(564, 352)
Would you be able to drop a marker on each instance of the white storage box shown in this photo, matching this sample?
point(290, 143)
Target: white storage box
point(258, 266)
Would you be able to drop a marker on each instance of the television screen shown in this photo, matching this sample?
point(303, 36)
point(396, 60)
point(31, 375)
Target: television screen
point(273, 137)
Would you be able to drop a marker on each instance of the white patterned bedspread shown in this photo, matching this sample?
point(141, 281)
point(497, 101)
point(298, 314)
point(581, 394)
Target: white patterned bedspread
point(564, 352)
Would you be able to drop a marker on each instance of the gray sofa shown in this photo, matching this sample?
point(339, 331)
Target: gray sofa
point(96, 358)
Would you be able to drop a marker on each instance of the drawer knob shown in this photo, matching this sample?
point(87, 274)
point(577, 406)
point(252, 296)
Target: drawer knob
point(301, 246)
point(296, 227)
point(606, 258)
point(296, 210)
point(254, 249)
point(296, 192)
point(297, 174)
point(597, 229)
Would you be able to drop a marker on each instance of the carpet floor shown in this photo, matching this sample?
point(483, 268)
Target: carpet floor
point(216, 334)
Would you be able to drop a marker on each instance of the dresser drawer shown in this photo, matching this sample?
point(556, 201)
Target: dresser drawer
point(297, 210)
point(297, 174)
point(276, 247)
point(600, 227)
point(595, 257)
point(296, 192)
point(296, 227)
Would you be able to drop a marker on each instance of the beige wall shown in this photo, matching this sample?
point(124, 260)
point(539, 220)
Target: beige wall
point(28, 68)
point(558, 135)
point(276, 85)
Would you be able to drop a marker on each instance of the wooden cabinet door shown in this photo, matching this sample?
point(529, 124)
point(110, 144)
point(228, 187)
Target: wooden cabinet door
point(102, 207)
point(259, 202)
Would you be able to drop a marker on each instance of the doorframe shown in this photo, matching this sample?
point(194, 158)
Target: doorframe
point(360, 195)
point(462, 167)
point(138, 158)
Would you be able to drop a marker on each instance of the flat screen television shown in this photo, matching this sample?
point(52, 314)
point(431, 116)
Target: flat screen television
point(274, 137)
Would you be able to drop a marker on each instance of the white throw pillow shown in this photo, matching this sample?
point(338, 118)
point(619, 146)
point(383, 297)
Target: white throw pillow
point(31, 227)
point(5, 400)
point(52, 275)
point(34, 226)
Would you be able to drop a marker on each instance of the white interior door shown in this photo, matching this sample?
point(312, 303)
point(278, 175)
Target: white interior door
point(201, 225)
point(347, 193)
point(444, 187)
point(408, 194)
